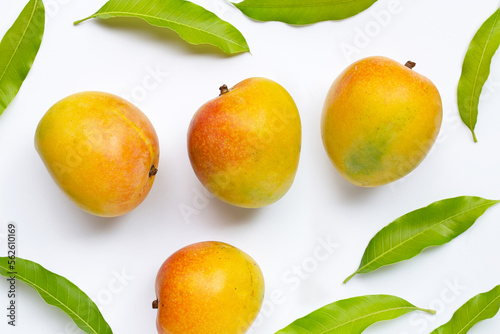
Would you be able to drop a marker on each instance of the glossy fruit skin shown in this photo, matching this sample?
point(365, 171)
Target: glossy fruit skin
point(379, 121)
point(100, 150)
point(208, 288)
point(244, 145)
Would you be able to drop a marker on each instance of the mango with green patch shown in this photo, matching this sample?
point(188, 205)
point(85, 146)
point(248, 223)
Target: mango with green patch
point(244, 145)
point(208, 288)
point(100, 150)
point(380, 119)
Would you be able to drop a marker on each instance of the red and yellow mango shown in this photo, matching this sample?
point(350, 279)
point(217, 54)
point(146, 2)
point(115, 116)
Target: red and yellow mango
point(208, 288)
point(244, 145)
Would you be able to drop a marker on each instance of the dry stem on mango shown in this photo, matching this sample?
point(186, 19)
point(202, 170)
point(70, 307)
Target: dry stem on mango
point(223, 90)
point(410, 64)
point(153, 171)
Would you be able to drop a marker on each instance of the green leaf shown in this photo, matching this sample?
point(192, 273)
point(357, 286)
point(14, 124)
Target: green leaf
point(433, 225)
point(476, 69)
point(351, 316)
point(481, 307)
point(18, 50)
point(58, 291)
point(302, 11)
point(193, 23)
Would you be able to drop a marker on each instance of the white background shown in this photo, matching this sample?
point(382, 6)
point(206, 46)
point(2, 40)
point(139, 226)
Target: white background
point(116, 56)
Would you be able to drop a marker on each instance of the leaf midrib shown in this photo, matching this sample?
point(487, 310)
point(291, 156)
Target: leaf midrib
point(418, 234)
point(482, 311)
point(476, 76)
point(132, 14)
point(20, 40)
point(318, 4)
point(413, 308)
point(60, 302)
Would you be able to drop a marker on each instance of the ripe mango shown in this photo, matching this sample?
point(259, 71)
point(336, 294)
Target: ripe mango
point(100, 150)
point(379, 121)
point(208, 288)
point(244, 145)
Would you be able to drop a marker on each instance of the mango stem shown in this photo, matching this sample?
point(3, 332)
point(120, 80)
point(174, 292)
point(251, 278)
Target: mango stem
point(223, 90)
point(410, 64)
point(153, 171)
point(155, 304)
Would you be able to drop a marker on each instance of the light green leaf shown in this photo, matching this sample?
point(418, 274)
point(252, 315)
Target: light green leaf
point(476, 69)
point(193, 23)
point(57, 291)
point(18, 50)
point(481, 307)
point(351, 316)
point(302, 11)
point(433, 225)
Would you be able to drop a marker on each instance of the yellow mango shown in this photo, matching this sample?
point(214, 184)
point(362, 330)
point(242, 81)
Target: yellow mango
point(379, 121)
point(100, 150)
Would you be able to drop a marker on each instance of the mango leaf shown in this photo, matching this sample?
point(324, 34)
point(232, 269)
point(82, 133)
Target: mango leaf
point(302, 11)
point(18, 50)
point(433, 225)
point(351, 316)
point(193, 23)
point(476, 69)
point(57, 291)
point(481, 307)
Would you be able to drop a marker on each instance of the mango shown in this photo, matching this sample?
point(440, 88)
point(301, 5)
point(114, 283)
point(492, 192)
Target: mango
point(244, 145)
point(101, 150)
point(208, 288)
point(379, 121)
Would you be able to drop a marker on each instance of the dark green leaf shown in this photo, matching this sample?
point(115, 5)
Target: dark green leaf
point(302, 11)
point(433, 225)
point(18, 50)
point(351, 316)
point(58, 291)
point(476, 69)
point(481, 307)
point(192, 22)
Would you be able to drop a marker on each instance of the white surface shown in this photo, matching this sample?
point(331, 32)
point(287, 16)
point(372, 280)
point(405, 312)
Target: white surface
point(115, 56)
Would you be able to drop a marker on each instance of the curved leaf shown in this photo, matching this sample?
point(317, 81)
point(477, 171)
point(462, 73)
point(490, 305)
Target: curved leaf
point(476, 69)
point(18, 50)
point(302, 12)
point(58, 291)
point(433, 225)
point(193, 23)
point(481, 307)
point(351, 316)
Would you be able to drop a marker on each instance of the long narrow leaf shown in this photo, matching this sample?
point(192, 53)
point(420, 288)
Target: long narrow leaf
point(193, 23)
point(476, 69)
point(302, 12)
point(481, 307)
point(58, 291)
point(18, 50)
point(351, 316)
point(433, 225)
